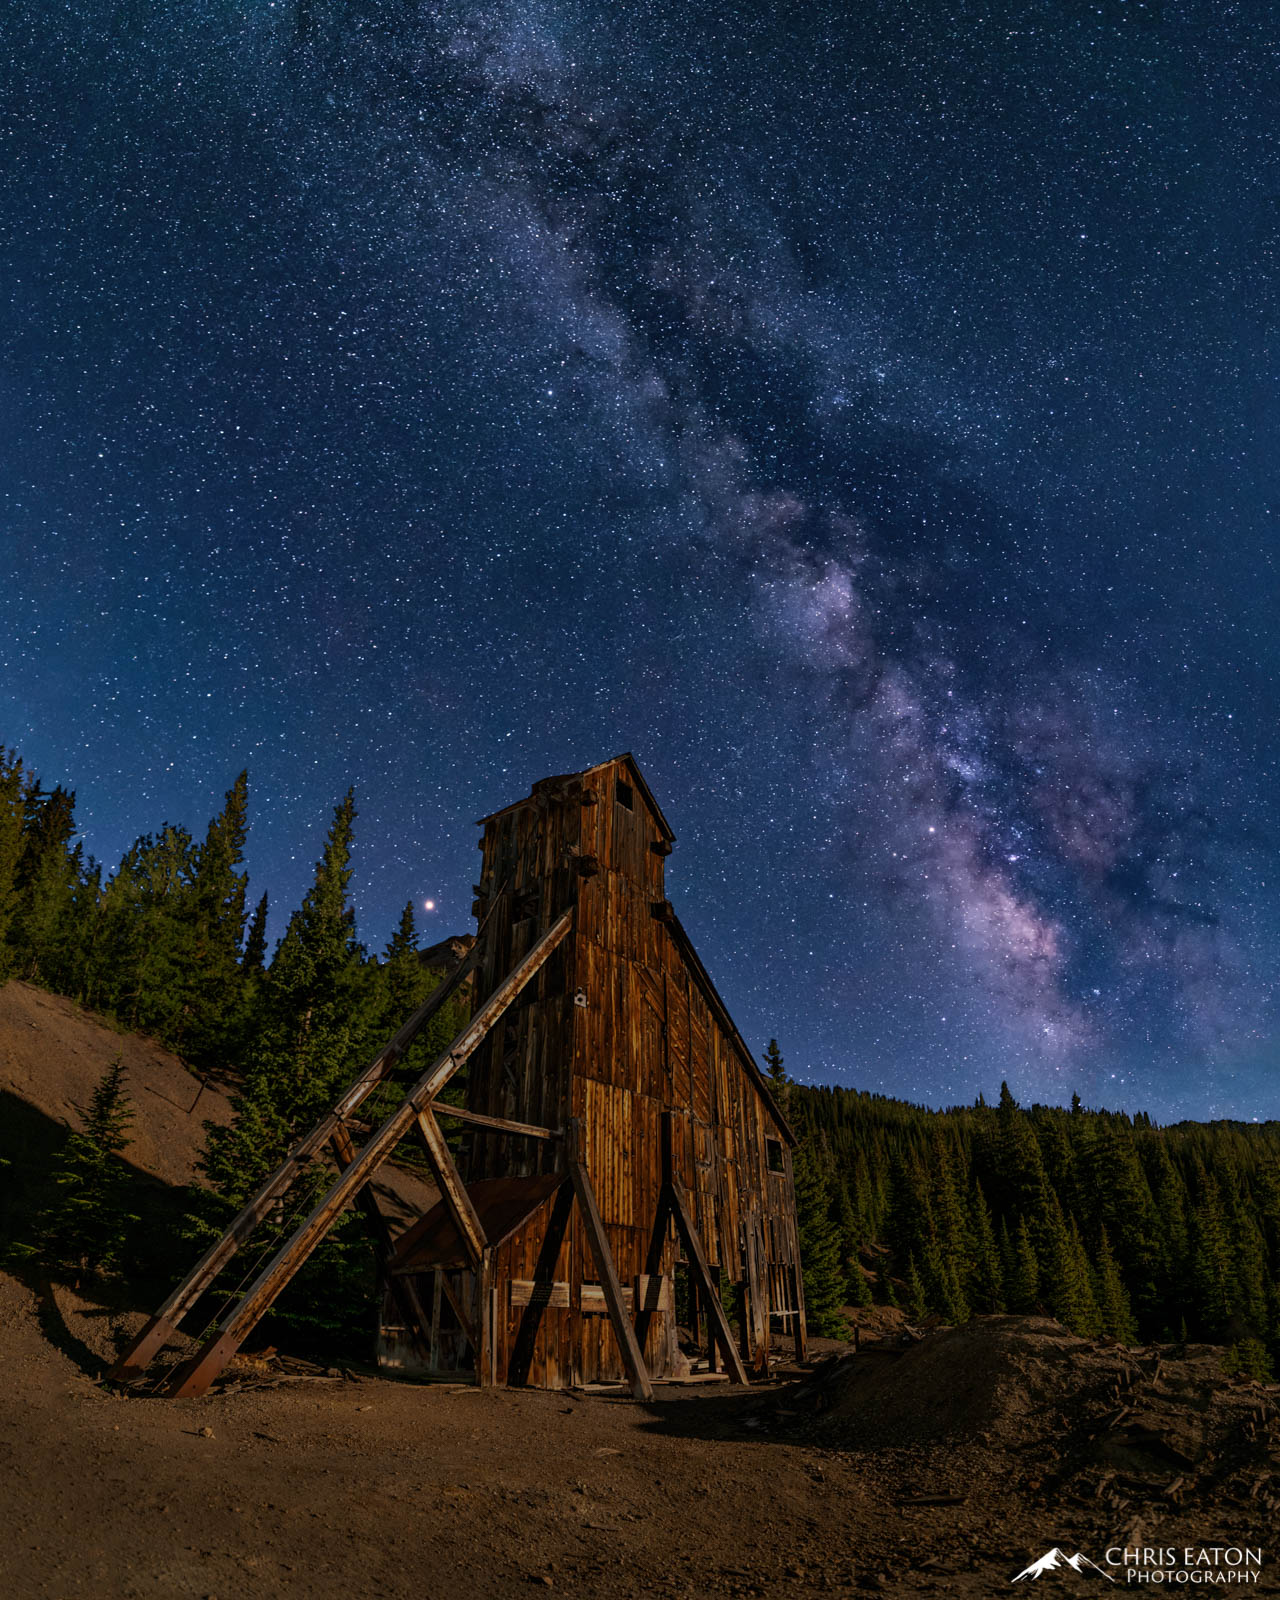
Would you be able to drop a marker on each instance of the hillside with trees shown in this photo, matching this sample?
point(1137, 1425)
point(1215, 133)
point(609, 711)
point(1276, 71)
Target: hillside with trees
point(1114, 1225)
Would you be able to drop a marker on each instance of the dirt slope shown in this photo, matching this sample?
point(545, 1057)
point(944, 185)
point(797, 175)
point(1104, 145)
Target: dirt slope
point(52, 1055)
point(940, 1466)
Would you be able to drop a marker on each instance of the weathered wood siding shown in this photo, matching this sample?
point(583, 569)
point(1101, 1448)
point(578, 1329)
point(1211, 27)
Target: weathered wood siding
point(618, 1029)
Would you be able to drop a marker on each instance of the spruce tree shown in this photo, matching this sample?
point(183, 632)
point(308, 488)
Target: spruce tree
point(819, 1247)
point(255, 944)
point(88, 1223)
point(916, 1300)
point(311, 1030)
point(986, 1275)
point(778, 1080)
point(13, 783)
point(215, 1019)
point(1066, 1279)
point(44, 879)
point(1023, 1281)
point(1211, 1263)
point(1114, 1310)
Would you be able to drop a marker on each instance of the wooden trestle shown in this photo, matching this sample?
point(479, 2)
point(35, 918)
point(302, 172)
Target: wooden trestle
point(356, 1168)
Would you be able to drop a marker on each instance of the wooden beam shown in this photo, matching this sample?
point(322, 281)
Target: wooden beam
point(632, 1355)
point(502, 1124)
point(653, 1268)
point(168, 1318)
point(710, 1291)
point(193, 1377)
point(466, 1219)
point(402, 1289)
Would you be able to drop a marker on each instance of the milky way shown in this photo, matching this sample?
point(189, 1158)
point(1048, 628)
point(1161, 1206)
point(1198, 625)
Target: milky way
point(865, 419)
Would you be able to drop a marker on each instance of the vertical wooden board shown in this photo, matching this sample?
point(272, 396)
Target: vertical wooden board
point(699, 1069)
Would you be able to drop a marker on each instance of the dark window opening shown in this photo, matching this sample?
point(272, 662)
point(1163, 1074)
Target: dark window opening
point(773, 1155)
point(623, 795)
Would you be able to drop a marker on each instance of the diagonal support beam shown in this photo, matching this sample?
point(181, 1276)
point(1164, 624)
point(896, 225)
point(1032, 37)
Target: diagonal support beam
point(193, 1377)
point(632, 1355)
point(168, 1318)
point(679, 1203)
point(466, 1219)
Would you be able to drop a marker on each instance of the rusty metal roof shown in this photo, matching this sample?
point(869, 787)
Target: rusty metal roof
point(502, 1205)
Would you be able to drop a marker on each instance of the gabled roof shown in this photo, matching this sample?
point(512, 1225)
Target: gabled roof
point(720, 1011)
point(637, 779)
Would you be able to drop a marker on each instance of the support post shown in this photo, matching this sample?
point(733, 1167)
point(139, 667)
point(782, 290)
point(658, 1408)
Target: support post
point(193, 1377)
point(718, 1322)
point(718, 1329)
point(632, 1355)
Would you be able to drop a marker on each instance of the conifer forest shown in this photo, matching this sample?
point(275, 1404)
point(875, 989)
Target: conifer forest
point(1117, 1227)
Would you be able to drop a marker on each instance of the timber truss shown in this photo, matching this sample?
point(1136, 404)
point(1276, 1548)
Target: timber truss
point(416, 1113)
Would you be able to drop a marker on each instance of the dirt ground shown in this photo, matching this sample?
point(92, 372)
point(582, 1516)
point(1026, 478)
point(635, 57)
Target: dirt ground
point(361, 1487)
point(938, 1464)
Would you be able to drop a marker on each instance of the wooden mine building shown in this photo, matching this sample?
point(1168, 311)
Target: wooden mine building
point(617, 1130)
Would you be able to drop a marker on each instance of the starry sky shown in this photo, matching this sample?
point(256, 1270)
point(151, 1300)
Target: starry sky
point(864, 414)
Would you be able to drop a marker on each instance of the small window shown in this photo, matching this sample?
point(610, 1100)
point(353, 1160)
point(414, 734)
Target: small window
point(624, 796)
point(773, 1155)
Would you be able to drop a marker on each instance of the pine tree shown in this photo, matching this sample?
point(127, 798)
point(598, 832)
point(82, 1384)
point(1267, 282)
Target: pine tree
point(87, 1226)
point(311, 1031)
point(819, 1247)
point(1066, 1280)
point(13, 784)
point(1211, 1264)
point(778, 1080)
point(917, 1303)
point(255, 944)
point(215, 1009)
point(986, 1275)
point(1023, 1280)
point(1114, 1310)
point(44, 878)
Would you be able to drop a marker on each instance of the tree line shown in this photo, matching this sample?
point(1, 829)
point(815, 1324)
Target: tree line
point(165, 943)
point(1113, 1225)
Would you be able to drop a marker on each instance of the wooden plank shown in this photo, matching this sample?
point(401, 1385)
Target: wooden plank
point(193, 1377)
point(632, 1356)
point(168, 1318)
point(503, 1124)
point(653, 1292)
point(592, 1299)
point(452, 1189)
point(709, 1292)
point(529, 1292)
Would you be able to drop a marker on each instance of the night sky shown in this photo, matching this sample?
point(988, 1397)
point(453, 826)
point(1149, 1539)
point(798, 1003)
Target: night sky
point(865, 414)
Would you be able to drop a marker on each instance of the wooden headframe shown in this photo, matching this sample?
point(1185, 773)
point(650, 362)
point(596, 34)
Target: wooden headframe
point(194, 1376)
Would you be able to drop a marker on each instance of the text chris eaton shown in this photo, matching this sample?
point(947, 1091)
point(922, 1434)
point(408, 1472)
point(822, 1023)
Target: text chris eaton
point(1214, 1563)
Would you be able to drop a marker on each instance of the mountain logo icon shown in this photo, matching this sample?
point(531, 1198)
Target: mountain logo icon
point(1054, 1560)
